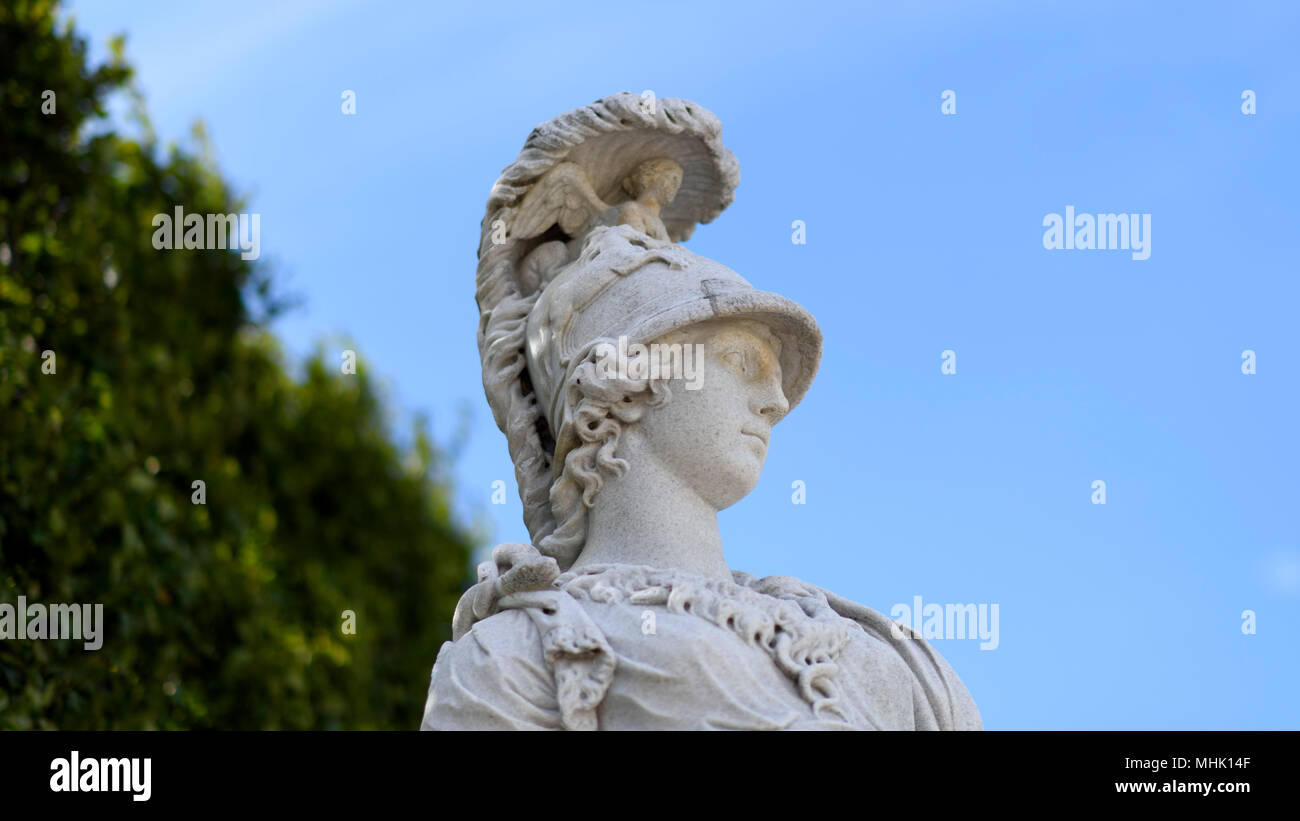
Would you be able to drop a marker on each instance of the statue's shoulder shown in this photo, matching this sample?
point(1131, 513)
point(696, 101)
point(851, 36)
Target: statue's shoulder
point(494, 676)
point(524, 655)
point(944, 702)
point(506, 635)
point(939, 700)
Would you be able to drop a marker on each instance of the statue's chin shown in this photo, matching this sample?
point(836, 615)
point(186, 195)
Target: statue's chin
point(724, 491)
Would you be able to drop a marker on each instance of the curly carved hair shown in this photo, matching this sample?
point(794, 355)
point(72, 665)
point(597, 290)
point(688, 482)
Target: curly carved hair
point(604, 404)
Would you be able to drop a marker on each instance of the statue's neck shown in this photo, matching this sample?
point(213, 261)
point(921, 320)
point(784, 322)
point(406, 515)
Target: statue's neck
point(648, 516)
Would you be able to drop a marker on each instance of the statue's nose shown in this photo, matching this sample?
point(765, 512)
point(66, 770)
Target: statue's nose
point(773, 405)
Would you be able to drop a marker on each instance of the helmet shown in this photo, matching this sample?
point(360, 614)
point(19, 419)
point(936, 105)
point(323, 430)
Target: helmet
point(625, 285)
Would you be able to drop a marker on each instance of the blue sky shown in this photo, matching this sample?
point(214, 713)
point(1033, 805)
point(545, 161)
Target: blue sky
point(924, 234)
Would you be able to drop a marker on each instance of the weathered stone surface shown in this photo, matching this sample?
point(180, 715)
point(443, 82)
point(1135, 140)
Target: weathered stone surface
point(622, 613)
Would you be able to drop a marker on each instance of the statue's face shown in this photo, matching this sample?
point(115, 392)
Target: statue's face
point(661, 178)
point(668, 182)
point(715, 439)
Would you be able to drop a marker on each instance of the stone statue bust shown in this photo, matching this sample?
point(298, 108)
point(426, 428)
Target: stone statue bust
point(638, 385)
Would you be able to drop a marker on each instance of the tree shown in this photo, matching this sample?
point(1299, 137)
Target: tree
point(162, 373)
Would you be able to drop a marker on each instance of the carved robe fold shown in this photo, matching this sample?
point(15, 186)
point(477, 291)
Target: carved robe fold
point(622, 647)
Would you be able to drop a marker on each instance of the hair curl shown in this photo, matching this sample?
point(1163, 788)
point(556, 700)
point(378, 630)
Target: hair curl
point(603, 404)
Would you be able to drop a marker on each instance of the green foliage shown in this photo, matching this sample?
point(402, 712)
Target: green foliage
point(223, 615)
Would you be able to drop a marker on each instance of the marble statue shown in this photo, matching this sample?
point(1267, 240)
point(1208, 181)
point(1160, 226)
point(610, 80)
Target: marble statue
point(622, 613)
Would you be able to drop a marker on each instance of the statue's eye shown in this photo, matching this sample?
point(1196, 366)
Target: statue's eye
point(737, 361)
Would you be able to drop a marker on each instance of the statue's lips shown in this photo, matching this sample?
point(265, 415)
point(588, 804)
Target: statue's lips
point(760, 437)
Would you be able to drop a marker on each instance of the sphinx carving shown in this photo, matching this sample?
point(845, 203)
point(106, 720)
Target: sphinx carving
point(621, 612)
